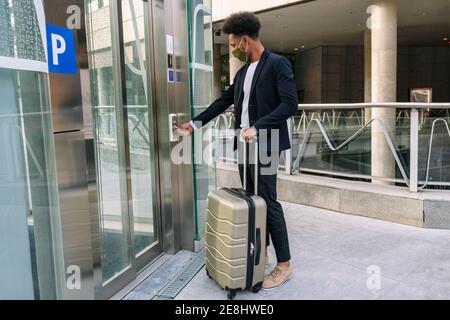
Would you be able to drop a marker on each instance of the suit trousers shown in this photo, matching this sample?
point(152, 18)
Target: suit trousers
point(267, 189)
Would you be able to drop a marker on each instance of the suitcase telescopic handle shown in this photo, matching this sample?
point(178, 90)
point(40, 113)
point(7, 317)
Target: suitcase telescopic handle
point(247, 162)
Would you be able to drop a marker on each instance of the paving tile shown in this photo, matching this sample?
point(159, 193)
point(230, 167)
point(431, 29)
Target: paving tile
point(396, 249)
point(321, 278)
point(431, 280)
point(331, 254)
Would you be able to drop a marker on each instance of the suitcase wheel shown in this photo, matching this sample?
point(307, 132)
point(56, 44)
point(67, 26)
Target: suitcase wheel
point(231, 294)
point(207, 273)
point(257, 287)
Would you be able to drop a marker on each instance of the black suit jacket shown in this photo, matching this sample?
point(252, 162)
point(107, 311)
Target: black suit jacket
point(273, 100)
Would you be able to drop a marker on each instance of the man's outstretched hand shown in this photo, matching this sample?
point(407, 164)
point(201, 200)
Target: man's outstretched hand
point(185, 129)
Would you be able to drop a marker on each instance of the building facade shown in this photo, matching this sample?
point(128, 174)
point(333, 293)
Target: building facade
point(371, 131)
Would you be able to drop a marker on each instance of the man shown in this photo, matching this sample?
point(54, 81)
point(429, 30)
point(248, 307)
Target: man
point(264, 97)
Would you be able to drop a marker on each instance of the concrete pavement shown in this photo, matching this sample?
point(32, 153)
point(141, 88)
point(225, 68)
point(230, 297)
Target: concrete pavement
point(339, 256)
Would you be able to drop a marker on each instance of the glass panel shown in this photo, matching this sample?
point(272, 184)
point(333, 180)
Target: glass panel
point(339, 125)
point(141, 148)
point(202, 90)
point(352, 157)
point(28, 187)
point(111, 185)
point(434, 149)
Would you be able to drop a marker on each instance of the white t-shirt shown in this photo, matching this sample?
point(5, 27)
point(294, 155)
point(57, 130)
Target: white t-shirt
point(245, 119)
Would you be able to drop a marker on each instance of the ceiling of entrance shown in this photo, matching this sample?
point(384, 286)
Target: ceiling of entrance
point(342, 22)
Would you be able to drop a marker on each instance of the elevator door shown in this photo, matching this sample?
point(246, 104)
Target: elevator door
point(120, 49)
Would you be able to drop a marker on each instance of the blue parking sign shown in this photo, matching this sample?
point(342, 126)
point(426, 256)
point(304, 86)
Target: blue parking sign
point(61, 50)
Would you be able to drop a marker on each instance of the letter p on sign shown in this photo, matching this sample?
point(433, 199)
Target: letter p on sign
point(61, 50)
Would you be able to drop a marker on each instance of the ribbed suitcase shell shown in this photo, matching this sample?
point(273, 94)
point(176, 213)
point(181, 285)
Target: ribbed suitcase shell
point(227, 233)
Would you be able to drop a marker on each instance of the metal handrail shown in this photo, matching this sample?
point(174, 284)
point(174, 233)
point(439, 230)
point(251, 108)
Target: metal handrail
point(363, 105)
point(412, 180)
point(350, 106)
point(394, 105)
point(412, 115)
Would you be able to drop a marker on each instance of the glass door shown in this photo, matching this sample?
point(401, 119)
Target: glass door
point(140, 131)
point(202, 93)
point(119, 39)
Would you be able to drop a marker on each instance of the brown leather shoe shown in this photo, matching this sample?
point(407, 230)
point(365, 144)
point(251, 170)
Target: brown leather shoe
point(277, 277)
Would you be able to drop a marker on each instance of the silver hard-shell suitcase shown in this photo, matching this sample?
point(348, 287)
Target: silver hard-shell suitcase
point(235, 236)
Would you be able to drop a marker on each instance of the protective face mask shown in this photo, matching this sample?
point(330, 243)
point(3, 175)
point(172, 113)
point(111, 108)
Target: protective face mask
point(239, 54)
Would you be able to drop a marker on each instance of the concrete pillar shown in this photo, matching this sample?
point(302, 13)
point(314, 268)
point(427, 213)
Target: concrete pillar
point(367, 73)
point(384, 84)
point(235, 65)
point(217, 71)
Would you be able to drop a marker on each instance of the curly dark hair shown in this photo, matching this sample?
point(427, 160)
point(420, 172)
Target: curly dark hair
point(242, 24)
